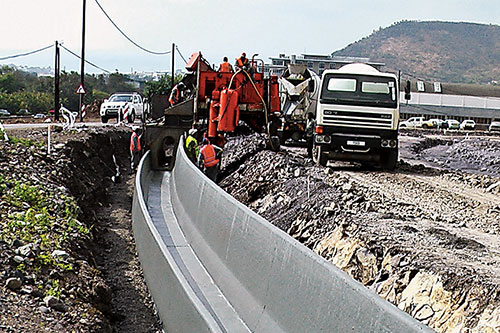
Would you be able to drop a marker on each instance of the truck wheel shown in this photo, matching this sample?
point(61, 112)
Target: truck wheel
point(318, 157)
point(104, 119)
point(388, 159)
point(131, 118)
point(274, 143)
point(283, 137)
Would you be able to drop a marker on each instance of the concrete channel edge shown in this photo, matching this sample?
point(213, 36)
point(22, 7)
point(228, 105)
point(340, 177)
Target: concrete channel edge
point(273, 282)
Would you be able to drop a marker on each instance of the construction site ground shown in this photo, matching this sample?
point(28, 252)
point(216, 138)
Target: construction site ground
point(424, 236)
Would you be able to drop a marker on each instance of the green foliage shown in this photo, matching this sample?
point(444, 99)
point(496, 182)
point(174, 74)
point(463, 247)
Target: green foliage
point(36, 102)
point(22, 90)
point(3, 184)
point(160, 87)
point(25, 142)
point(54, 290)
point(47, 220)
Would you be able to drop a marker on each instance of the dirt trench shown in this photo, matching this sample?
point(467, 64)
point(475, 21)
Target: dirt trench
point(424, 238)
point(129, 307)
point(101, 288)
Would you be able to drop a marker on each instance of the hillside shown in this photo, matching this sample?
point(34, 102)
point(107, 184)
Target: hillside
point(443, 51)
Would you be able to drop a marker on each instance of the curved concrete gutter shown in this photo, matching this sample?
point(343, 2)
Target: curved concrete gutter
point(272, 282)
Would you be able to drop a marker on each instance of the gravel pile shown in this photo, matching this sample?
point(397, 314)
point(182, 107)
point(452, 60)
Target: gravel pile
point(476, 155)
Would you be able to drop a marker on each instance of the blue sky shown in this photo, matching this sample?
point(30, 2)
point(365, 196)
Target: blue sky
point(216, 27)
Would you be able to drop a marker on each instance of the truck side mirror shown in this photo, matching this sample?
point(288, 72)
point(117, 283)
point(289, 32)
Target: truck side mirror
point(408, 90)
point(310, 86)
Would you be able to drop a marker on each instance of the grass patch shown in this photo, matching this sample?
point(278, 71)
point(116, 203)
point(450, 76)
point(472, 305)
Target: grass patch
point(48, 220)
point(25, 142)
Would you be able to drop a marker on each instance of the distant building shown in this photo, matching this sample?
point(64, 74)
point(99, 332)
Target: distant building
point(317, 62)
point(443, 106)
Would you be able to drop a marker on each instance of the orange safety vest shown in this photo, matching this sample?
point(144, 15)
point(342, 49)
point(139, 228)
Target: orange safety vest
point(132, 137)
point(241, 62)
point(174, 96)
point(225, 67)
point(208, 154)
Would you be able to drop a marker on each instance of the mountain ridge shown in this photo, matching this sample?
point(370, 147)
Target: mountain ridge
point(455, 52)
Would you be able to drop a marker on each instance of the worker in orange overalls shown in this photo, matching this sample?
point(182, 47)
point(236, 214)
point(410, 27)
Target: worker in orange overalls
point(209, 157)
point(242, 61)
point(176, 94)
point(135, 148)
point(225, 67)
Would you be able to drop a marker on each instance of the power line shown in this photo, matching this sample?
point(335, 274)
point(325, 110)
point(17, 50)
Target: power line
point(127, 37)
point(27, 53)
point(179, 51)
point(88, 62)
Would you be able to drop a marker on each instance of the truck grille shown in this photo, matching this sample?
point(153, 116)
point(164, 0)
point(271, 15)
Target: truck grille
point(353, 118)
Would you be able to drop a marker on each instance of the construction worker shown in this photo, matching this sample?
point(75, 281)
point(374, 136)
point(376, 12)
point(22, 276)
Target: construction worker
point(208, 156)
point(135, 148)
point(192, 149)
point(176, 94)
point(225, 67)
point(242, 61)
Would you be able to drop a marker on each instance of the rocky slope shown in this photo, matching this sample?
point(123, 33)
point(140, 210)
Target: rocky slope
point(425, 239)
point(55, 218)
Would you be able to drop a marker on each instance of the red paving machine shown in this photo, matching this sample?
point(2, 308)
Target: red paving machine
point(215, 103)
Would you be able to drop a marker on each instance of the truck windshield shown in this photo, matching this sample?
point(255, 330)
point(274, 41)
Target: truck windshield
point(363, 90)
point(121, 98)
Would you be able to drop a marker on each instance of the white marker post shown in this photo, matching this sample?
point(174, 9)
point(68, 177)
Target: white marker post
point(48, 140)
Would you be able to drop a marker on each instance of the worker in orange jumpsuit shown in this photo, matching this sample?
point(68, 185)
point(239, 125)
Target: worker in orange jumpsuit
point(242, 61)
point(135, 149)
point(209, 159)
point(176, 94)
point(225, 66)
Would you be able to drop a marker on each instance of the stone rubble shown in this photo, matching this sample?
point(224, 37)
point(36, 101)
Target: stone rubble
point(424, 239)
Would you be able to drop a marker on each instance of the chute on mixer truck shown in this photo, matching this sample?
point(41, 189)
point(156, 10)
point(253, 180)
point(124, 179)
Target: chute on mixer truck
point(299, 89)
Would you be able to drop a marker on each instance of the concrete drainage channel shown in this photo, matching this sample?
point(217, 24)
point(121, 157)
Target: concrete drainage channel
point(212, 264)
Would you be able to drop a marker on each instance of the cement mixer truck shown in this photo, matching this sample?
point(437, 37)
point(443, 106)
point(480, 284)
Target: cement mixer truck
point(357, 117)
point(299, 88)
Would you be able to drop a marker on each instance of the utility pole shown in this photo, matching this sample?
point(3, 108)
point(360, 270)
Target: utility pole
point(173, 66)
point(56, 83)
point(82, 71)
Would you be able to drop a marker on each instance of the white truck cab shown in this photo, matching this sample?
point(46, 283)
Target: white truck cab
point(357, 116)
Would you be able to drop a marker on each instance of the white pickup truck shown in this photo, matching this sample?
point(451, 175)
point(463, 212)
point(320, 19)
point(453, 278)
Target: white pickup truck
point(413, 122)
point(123, 106)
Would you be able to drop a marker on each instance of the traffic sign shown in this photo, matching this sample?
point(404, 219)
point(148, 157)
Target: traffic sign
point(80, 90)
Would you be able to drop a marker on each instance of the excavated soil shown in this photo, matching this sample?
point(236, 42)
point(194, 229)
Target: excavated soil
point(96, 276)
point(424, 237)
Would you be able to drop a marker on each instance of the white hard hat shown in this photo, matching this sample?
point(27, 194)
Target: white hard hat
point(192, 131)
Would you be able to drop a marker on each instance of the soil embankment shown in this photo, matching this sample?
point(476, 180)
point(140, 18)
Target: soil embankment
point(67, 253)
